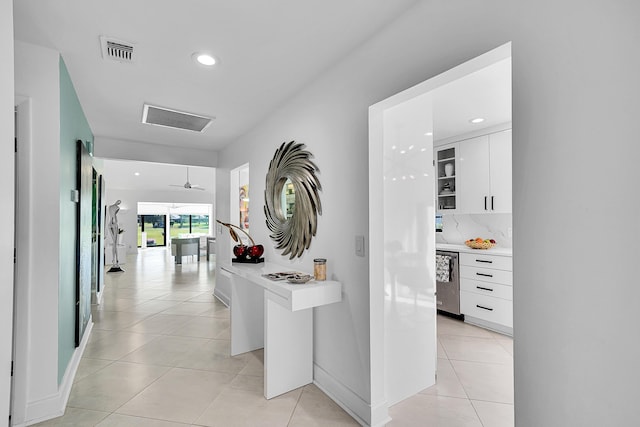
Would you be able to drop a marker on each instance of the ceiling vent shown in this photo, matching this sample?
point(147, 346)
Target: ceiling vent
point(160, 116)
point(116, 50)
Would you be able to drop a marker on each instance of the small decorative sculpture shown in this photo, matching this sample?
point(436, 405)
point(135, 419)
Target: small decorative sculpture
point(114, 230)
point(244, 253)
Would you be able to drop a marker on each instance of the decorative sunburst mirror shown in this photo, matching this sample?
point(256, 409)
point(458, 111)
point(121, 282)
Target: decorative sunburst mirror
point(292, 202)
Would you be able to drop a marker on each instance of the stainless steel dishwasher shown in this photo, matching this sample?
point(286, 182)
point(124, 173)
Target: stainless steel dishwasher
point(447, 282)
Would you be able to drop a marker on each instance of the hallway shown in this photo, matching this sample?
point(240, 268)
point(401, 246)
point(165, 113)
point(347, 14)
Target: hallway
point(158, 355)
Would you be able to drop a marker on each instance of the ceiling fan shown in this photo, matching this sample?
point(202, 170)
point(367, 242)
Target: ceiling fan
point(187, 184)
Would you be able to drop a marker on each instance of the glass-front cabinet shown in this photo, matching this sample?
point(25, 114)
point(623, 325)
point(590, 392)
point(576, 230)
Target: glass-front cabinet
point(446, 178)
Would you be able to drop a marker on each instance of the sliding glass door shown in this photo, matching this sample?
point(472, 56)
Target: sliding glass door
point(153, 226)
point(196, 225)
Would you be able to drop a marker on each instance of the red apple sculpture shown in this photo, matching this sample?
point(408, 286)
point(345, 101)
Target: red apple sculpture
point(242, 251)
point(256, 251)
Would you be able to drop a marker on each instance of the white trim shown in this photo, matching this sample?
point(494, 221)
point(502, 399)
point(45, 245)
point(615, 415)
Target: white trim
point(22, 271)
point(100, 295)
point(222, 297)
point(54, 405)
point(505, 330)
point(485, 131)
point(364, 413)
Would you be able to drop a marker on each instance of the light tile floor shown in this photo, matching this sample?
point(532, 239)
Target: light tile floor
point(158, 355)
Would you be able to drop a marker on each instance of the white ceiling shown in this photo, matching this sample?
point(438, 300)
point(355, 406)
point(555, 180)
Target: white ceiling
point(268, 50)
point(485, 93)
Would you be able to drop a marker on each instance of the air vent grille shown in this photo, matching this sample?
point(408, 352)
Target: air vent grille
point(160, 116)
point(116, 50)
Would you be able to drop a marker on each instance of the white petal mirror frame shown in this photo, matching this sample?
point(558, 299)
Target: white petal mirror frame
point(293, 235)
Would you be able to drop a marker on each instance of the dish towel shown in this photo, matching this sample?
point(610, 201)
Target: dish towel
point(442, 268)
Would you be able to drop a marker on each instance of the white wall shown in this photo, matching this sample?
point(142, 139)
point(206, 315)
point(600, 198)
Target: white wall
point(128, 216)
point(6, 215)
point(575, 88)
point(575, 180)
point(111, 148)
point(223, 240)
point(405, 217)
point(36, 358)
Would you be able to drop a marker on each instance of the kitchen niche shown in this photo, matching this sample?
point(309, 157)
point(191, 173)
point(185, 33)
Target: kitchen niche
point(446, 178)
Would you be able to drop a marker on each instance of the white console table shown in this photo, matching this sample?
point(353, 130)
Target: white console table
point(278, 316)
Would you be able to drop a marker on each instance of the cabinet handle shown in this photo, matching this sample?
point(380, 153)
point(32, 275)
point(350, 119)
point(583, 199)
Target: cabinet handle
point(484, 289)
point(484, 274)
point(484, 308)
point(488, 261)
point(485, 203)
point(491, 202)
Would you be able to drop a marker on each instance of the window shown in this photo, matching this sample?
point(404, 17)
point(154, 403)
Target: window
point(153, 225)
point(196, 225)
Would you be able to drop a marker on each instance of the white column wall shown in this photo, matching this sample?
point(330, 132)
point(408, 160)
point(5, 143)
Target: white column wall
point(36, 359)
point(7, 195)
point(575, 218)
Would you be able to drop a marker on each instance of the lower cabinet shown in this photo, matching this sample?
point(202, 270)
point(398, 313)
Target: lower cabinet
point(486, 291)
point(491, 309)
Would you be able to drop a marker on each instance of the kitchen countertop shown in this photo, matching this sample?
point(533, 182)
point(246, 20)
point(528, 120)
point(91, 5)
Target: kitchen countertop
point(496, 250)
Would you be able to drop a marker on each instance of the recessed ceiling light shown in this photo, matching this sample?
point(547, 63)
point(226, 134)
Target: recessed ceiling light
point(204, 59)
point(476, 120)
point(136, 173)
point(428, 134)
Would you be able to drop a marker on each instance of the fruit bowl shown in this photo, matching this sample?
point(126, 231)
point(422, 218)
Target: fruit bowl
point(480, 243)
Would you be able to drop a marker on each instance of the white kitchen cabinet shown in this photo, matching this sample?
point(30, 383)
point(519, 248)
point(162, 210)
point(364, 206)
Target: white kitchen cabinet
point(486, 291)
point(484, 174)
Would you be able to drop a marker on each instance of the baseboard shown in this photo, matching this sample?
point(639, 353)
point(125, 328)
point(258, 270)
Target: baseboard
point(100, 297)
point(54, 405)
point(505, 330)
point(222, 297)
point(364, 413)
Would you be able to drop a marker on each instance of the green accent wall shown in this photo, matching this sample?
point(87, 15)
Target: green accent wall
point(73, 126)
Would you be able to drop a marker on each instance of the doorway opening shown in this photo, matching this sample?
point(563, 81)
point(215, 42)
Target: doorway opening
point(240, 197)
point(404, 130)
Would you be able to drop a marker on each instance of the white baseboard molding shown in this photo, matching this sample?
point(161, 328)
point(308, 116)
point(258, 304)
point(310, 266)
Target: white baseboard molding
point(54, 405)
point(222, 297)
point(364, 413)
point(505, 330)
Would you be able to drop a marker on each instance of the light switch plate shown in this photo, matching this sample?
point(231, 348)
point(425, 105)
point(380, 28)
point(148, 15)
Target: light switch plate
point(360, 245)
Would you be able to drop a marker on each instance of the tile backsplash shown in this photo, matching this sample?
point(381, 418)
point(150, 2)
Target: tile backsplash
point(460, 227)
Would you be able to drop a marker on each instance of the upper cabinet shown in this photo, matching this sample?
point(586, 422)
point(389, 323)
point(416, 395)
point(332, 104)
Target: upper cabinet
point(500, 171)
point(483, 175)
